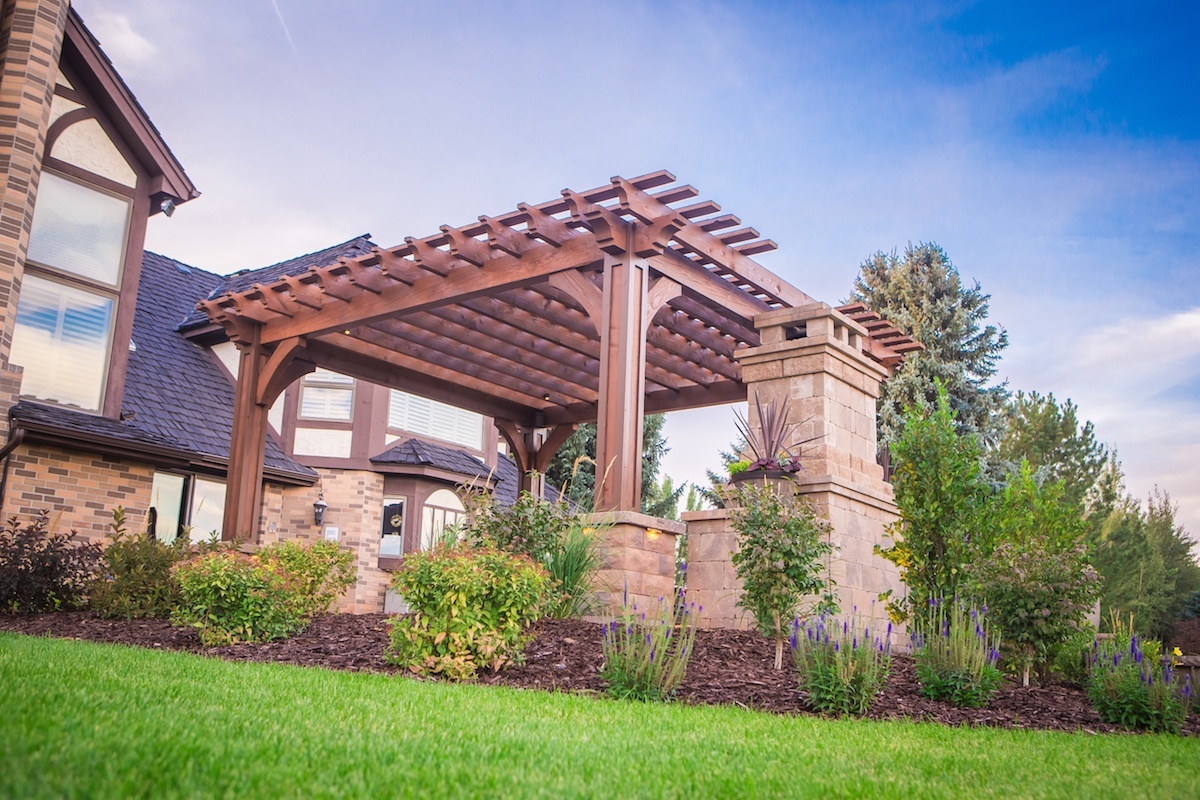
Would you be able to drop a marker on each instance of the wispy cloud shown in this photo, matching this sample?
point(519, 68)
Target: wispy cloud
point(283, 24)
point(120, 40)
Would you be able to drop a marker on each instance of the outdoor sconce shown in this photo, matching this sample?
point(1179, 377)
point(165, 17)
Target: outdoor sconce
point(319, 509)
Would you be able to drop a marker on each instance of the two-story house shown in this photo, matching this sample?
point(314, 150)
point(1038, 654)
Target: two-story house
point(114, 391)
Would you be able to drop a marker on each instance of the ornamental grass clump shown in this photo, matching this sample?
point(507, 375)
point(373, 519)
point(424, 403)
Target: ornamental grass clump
point(1129, 686)
point(840, 667)
point(956, 654)
point(646, 656)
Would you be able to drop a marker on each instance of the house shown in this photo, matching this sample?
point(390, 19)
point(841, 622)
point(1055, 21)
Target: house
point(301, 400)
point(117, 392)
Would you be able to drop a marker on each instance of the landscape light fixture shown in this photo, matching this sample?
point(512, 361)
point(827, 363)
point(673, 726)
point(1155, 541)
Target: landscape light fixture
point(319, 508)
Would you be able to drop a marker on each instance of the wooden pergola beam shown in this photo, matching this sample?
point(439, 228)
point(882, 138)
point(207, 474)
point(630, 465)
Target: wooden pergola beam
point(462, 283)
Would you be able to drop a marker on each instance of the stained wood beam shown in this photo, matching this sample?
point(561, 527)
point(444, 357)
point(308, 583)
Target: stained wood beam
point(445, 356)
point(537, 263)
point(709, 289)
point(699, 241)
point(516, 366)
point(505, 341)
point(748, 335)
point(717, 394)
point(540, 305)
point(376, 364)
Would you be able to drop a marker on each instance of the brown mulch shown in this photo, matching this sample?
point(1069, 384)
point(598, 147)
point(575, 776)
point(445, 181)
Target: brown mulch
point(727, 668)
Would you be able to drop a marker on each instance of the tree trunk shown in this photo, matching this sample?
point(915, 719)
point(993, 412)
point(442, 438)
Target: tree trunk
point(778, 641)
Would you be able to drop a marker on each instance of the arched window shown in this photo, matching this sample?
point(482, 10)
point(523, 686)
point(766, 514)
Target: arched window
point(442, 508)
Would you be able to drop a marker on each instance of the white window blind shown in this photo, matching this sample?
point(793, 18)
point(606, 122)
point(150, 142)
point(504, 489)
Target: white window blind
point(327, 395)
point(426, 417)
point(61, 338)
point(79, 230)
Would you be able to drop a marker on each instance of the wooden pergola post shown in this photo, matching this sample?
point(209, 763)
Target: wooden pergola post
point(248, 442)
point(622, 379)
point(263, 374)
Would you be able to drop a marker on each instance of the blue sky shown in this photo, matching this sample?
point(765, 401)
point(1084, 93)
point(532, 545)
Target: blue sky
point(1050, 148)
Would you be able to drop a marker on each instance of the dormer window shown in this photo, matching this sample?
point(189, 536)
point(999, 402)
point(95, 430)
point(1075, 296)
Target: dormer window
point(67, 307)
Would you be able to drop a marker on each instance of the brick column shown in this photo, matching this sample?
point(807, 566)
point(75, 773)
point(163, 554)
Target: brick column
point(637, 559)
point(31, 34)
point(812, 355)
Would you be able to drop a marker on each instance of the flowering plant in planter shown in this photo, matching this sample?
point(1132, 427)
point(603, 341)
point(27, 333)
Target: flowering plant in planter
point(770, 445)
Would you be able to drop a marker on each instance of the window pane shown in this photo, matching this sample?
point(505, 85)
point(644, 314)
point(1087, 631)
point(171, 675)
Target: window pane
point(426, 417)
point(393, 527)
point(321, 375)
point(78, 230)
point(61, 339)
point(208, 509)
point(326, 402)
point(166, 498)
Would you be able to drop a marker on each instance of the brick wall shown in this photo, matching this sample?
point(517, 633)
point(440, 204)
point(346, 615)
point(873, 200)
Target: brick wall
point(355, 499)
point(31, 34)
point(79, 489)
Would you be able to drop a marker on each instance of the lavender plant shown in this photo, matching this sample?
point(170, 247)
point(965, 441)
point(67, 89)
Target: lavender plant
point(1127, 687)
point(956, 653)
point(841, 667)
point(646, 656)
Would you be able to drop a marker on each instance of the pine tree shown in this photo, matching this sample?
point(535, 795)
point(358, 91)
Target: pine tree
point(1048, 435)
point(924, 296)
point(574, 466)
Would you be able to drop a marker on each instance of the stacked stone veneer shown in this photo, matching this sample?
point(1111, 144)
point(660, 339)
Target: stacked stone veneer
point(637, 559)
point(812, 356)
point(80, 490)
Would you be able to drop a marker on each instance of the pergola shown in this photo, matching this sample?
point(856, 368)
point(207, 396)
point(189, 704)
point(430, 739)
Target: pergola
point(600, 305)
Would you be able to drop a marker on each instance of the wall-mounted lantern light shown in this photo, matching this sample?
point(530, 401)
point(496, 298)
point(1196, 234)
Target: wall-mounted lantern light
point(319, 509)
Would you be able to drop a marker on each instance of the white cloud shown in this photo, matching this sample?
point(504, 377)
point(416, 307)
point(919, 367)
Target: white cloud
point(120, 41)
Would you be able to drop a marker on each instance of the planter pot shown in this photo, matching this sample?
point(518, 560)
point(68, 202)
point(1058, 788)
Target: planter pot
point(765, 475)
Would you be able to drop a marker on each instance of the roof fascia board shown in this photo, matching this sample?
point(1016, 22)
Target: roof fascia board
point(123, 109)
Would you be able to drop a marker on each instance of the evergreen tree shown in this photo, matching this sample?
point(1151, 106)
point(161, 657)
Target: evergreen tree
point(1049, 436)
point(574, 466)
point(923, 295)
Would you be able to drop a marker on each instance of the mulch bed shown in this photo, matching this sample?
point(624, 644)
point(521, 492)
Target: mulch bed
point(727, 668)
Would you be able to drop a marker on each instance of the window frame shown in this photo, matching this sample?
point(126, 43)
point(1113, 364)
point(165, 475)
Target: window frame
point(187, 503)
point(321, 382)
point(73, 280)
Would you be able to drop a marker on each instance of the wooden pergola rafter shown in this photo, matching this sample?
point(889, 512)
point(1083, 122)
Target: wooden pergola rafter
point(595, 306)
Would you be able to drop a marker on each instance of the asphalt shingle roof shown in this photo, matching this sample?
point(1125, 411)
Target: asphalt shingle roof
point(241, 281)
point(180, 396)
point(420, 453)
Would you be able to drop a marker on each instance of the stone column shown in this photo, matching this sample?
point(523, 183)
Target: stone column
point(637, 560)
point(813, 356)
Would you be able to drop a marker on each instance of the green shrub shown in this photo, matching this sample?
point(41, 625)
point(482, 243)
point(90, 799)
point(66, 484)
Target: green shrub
point(43, 571)
point(941, 496)
point(781, 546)
point(319, 572)
point(231, 597)
point(572, 562)
point(137, 578)
point(1039, 596)
point(1129, 686)
point(956, 655)
point(840, 667)
point(645, 658)
point(531, 526)
point(1072, 661)
point(470, 606)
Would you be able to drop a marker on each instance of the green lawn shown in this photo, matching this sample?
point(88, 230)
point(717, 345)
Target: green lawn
point(87, 720)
